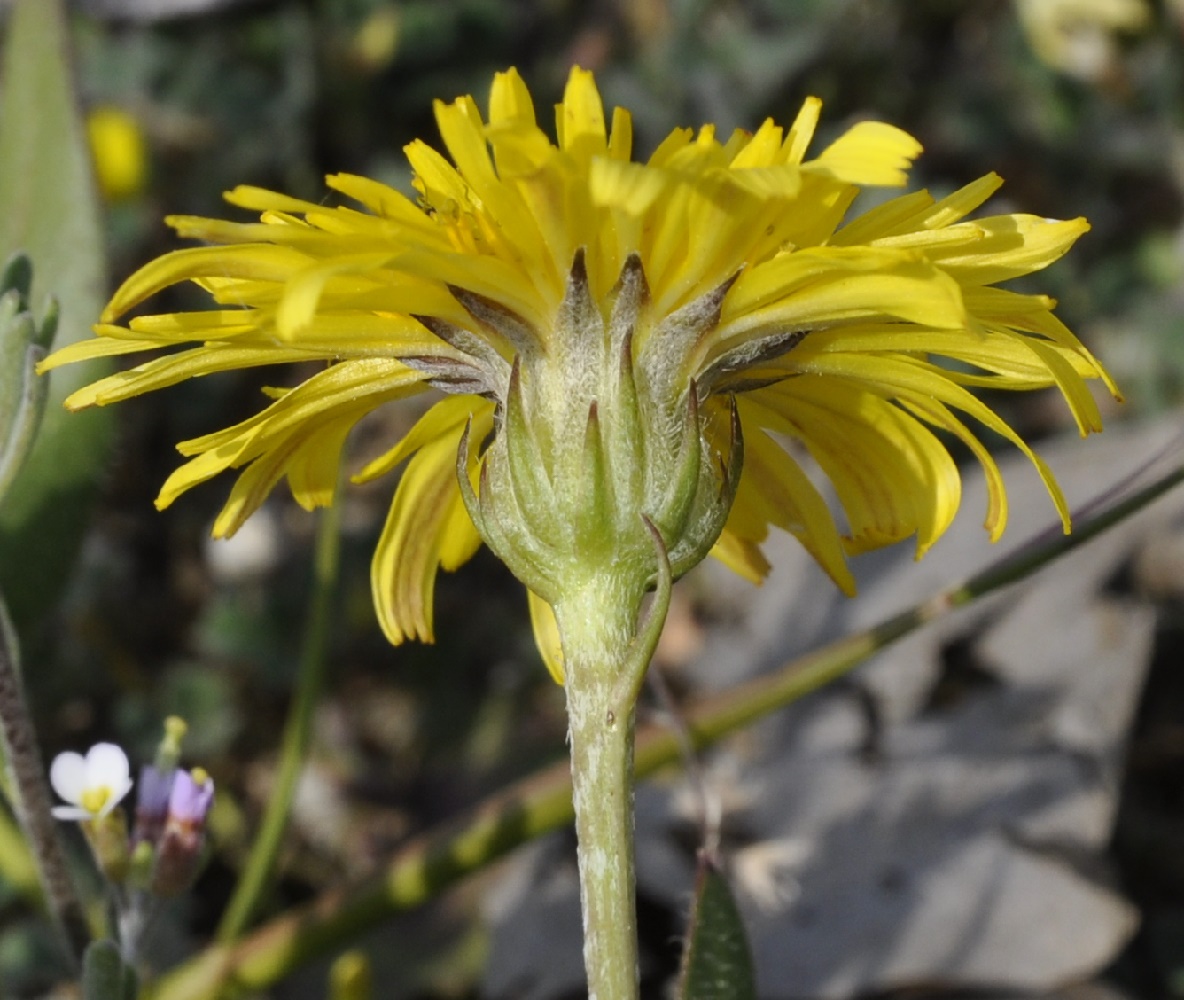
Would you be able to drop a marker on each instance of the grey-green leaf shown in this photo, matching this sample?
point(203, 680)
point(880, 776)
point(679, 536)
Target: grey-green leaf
point(23, 342)
point(49, 209)
point(717, 961)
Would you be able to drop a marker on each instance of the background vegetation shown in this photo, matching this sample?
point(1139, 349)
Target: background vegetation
point(1078, 104)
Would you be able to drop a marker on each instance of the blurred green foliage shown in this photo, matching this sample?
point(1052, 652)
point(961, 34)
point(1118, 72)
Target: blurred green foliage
point(279, 93)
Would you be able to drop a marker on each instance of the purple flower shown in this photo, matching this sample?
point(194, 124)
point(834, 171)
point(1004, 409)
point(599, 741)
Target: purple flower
point(191, 797)
point(179, 846)
point(152, 803)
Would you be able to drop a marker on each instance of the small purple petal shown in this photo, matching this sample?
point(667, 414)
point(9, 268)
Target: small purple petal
point(190, 801)
point(155, 788)
point(152, 803)
point(179, 848)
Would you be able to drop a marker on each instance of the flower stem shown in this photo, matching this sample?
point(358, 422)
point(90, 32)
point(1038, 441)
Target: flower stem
point(605, 658)
point(541, 803)
point(30, 797)
point(261, 863)
point(602, 783)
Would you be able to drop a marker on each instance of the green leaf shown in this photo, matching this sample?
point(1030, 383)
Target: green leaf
point(717, 961)
point(49, 209)
point(105, 976)
point(23, 342)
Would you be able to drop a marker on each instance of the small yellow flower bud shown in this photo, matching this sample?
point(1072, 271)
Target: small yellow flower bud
point(169, 752)
point(350, 977)
point(120, 153)
point(140, 867)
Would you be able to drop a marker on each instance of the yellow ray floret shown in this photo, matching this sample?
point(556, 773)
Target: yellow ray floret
point(545, 286)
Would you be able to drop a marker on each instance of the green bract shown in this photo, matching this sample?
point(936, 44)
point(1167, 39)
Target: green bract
point(593, 442)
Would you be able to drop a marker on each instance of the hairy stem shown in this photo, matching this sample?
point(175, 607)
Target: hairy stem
point(31, 798)
point(606, 657)
point(436, 859)
point(602, 789)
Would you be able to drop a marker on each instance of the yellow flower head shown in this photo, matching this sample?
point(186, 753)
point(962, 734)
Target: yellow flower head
point(623, 339)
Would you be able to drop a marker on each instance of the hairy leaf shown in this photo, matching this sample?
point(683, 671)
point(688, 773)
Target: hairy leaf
point(49, 210)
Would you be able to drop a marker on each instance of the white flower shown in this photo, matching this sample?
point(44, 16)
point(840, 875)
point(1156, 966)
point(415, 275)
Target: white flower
point(93, 785)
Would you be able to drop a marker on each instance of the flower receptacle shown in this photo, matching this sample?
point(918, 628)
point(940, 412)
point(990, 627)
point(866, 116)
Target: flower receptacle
point(595, 439)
